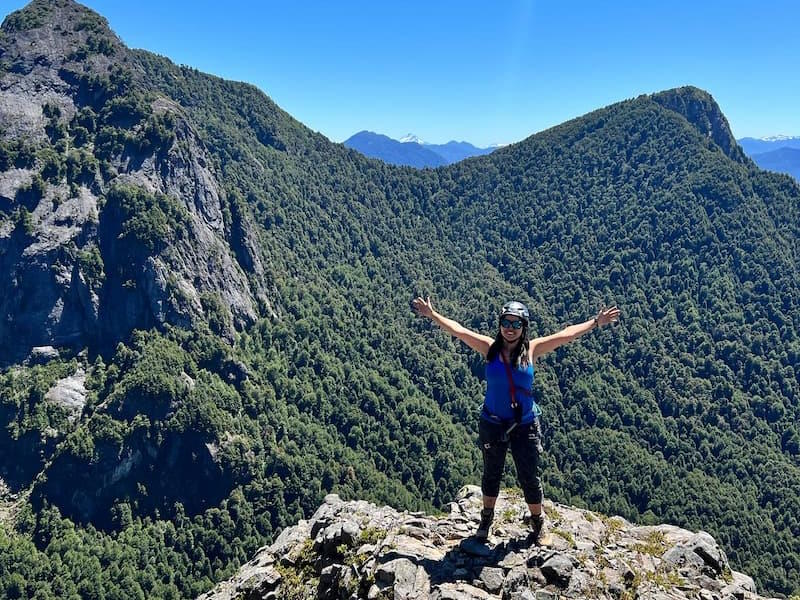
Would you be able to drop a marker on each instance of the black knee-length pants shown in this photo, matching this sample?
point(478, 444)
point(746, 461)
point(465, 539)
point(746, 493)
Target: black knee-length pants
point(525, 442)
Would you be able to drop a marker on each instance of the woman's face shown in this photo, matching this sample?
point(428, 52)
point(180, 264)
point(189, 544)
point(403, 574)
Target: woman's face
point(511, 328)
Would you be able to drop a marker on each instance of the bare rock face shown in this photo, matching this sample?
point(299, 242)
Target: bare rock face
point(70, 394)
point(351, 550)
point(704, 114)
point(75, 124)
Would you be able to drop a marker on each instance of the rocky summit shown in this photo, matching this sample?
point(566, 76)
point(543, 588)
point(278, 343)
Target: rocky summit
point(351, 550)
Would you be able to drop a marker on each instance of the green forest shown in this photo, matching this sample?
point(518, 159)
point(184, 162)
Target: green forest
point(685, 412)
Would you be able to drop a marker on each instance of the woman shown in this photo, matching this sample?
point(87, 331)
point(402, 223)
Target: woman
point(509, 417)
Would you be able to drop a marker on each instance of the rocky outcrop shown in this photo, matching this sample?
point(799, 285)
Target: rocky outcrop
point(351, 550)
point(70, 394)
point(705, 115)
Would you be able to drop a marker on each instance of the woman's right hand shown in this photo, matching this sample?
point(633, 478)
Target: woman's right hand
point(423, 306)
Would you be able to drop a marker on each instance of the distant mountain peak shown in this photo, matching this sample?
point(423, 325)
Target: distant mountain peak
point(779, 153)
point(411, 151)
point(702, 111)
point(779, 138)
point(410, 138)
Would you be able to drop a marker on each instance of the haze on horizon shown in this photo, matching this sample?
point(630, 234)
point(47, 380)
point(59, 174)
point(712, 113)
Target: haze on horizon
point(484, 73)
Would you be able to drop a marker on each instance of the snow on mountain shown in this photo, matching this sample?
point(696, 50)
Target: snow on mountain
point(779, 138)
point(410, 138)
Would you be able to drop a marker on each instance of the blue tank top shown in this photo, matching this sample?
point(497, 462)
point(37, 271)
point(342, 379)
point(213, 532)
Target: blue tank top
point(497, 404)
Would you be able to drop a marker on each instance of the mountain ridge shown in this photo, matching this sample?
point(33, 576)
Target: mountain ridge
point(411, 151)
point(782, 160)
point(394, 152)
point(776, 153)
point(759, 145)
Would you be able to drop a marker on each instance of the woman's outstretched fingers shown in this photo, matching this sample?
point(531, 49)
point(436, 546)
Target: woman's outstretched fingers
point(608, 315)
point(422, 305)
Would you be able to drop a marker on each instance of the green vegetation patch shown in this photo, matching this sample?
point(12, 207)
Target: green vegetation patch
point(149, 221)
point(31, 17)
point(654, 544)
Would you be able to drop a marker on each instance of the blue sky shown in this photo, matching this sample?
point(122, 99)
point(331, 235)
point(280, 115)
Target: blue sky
point(486, 72)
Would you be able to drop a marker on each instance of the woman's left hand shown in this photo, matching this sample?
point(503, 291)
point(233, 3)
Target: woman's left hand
point(607, 315)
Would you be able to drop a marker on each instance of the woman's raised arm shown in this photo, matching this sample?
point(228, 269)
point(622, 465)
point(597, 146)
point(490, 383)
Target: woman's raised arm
point(548, 343)
point(476, 341)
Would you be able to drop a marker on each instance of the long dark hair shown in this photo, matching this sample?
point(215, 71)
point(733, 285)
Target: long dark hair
point(519, 353)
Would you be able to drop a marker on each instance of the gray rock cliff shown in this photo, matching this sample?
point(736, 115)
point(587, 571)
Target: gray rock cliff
point(72, 131)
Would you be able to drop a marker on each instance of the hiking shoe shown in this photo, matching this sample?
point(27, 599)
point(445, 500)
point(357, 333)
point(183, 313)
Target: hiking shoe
point(487, 516)
point(538, 527)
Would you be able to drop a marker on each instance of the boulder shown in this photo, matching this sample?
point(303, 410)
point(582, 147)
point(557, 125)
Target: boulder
point(700, 554)
point(558, 570)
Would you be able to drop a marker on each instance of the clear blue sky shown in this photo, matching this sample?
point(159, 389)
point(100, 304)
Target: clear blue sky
point(482, 71)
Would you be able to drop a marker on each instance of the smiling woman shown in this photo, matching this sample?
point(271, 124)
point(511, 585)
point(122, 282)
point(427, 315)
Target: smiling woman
point(510, 416)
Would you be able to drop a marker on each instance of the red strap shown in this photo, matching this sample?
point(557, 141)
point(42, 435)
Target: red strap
point(510, 381)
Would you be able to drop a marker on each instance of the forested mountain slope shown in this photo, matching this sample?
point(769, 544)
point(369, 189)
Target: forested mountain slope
point(266, 274)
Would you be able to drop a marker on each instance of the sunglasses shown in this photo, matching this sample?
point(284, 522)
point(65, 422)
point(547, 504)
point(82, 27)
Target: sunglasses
point(511, 324)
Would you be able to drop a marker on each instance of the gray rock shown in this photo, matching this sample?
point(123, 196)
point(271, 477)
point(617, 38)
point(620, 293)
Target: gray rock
point(259, 584)
point(324, 516)
point(536, 576)
point(459, 591)
point(416, 532)
point(329, 574)
point(69, 393)
point(289, 538)
point(409, 581)
point(387, 572)
point(492, 578)
point(49, 297)
point(516, 580)
point(349, 578)
point(332, 500)
point(558, 570)
point(335, 535)
point(627, 572)
point(511, 560)
point(700, 553)
point(616, 589)
point(42, 354)
point(744, 582)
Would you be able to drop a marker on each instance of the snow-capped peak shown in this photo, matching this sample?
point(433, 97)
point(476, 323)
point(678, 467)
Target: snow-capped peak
point(780, 138)
point(410, 138)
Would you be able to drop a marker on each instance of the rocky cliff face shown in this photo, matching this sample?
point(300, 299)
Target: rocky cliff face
point(350, 550)
point(75, 123)
point(700, 109)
